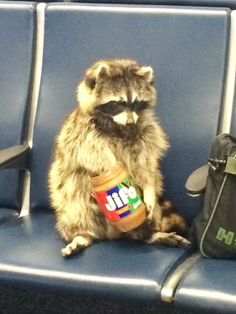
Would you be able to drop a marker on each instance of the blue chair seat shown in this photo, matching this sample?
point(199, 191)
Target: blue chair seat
point(210, 284)
point(108, 269)
point(7, 213)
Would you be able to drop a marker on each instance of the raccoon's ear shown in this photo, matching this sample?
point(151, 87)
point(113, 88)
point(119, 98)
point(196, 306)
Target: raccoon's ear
point(90, 82)
point(147, 73)
point(101, 70)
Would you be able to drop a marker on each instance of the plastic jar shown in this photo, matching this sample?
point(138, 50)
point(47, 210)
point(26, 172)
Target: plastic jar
point(119, 200)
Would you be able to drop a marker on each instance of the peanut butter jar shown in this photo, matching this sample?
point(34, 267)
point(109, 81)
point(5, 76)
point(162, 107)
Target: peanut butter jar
point(117, 196)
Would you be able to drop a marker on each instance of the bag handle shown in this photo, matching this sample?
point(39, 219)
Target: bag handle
point(196, 182)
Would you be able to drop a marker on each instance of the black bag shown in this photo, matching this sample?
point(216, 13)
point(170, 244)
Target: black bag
point(215, 226)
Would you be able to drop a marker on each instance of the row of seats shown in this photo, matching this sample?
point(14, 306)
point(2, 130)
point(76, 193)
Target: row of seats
point(46, 49)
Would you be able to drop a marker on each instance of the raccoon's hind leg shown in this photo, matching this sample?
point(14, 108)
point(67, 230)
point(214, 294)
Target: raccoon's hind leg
point(79, 220)
point(171, 223)
point(168, 238)
point(80, 228)
point(152, 233)
point(78, 243)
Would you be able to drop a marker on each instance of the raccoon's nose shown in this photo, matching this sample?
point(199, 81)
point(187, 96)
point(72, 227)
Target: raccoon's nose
point(130, 118)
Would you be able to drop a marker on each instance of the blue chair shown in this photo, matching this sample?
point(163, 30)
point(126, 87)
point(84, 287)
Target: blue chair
point(211, 284)
point(17, 25)
point(187, 48)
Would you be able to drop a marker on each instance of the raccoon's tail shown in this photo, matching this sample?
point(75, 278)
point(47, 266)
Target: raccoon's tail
point(172, 221)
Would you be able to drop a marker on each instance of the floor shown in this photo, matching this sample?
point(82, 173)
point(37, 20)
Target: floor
point(25, 301)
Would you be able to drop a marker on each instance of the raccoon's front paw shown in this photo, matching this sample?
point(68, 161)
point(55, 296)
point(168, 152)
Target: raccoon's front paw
point(76, 245)
point(150, 208)
point(170, 239)
point(149, 198)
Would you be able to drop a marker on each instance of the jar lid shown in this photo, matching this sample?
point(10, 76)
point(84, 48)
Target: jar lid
point(109, 179)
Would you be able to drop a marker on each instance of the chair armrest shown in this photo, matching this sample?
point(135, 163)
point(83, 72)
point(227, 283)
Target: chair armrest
point(196, 182)
point(11, 155)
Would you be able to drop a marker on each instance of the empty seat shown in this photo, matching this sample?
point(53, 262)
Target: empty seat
point(209, 285)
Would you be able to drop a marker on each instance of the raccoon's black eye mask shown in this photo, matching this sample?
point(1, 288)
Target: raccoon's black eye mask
point(113, 108)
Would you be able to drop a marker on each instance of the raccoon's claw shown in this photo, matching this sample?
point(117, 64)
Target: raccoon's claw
point(179, 241)
point(171, 239)
point(76, 245)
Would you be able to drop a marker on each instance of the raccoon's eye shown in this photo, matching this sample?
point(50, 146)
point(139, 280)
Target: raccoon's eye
point(112, 108)
point(140, 105)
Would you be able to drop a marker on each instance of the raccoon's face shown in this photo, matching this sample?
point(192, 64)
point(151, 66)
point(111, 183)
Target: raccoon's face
point(117, 93)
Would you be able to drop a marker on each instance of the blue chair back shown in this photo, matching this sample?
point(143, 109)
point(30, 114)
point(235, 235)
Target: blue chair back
point(17, 30)
point(198, 3)
point(187, 48)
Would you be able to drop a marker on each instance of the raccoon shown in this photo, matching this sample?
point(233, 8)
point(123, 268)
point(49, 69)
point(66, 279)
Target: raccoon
point(114, 123)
